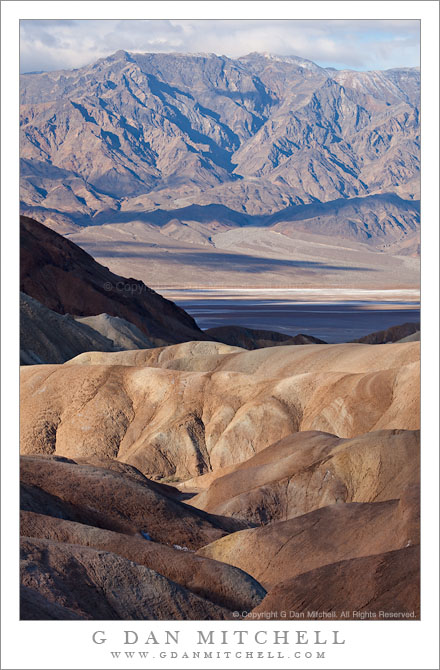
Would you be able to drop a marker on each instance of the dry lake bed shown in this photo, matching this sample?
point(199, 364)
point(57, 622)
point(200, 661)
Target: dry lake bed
point(333, 315)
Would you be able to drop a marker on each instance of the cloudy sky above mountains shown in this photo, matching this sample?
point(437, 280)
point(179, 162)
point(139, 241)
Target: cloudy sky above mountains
point(356, 44)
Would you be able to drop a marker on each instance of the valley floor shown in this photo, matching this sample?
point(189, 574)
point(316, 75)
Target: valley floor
point(330, 315)
point(245, 257)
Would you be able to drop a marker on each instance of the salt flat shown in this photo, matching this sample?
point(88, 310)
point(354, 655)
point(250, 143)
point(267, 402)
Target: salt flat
point(333, 315)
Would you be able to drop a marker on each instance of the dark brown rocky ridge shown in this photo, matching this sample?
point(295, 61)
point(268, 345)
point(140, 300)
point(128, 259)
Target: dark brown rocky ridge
point(67, 280)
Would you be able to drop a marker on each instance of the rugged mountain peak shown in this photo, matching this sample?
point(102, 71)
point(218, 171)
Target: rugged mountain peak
point(170, 126)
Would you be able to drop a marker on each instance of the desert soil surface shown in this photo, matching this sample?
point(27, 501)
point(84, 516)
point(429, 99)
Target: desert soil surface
point(246, 258)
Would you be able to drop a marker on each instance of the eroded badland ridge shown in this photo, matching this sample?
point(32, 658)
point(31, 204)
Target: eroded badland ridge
point(304, 459)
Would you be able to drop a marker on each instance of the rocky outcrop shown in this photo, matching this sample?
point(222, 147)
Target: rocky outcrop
point(415, 337)
point(48, 337)
point(122, 333)
point(249, 338)
point(359, 588)
point(394, 334)
point(94, 584)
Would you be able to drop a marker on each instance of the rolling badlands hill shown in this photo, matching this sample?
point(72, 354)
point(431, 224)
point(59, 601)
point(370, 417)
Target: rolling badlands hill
point(305, 460)
point(196, 407)
point(206, 160)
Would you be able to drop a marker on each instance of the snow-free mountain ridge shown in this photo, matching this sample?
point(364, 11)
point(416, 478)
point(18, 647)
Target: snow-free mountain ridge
point(180, 126)
point(191, 145)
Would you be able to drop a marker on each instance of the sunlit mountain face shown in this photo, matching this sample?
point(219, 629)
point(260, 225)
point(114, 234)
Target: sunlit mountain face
point(257, 134)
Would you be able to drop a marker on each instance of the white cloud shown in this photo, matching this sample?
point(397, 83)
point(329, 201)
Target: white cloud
point(366, 44)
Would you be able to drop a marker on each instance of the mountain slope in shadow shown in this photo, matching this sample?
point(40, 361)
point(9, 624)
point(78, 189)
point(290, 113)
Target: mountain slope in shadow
point(64, 278)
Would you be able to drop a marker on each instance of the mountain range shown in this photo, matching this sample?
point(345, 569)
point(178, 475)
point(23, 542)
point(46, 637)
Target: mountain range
point(259, 157)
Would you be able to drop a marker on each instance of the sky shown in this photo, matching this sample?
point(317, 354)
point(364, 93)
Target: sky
point(353, 44)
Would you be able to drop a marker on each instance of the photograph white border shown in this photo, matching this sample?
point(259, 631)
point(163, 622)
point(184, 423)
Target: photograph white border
point(41, 644)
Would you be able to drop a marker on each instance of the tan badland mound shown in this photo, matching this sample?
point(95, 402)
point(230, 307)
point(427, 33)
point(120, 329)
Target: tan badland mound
point(285, 549)
point(282, 360)
point(388, 582)
point(101, 585)
point(218, 582)
point(206, 355)
point(415, 337)
point(308, 470)
point(179, 423)
point(122, 333)
point(109, 499)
